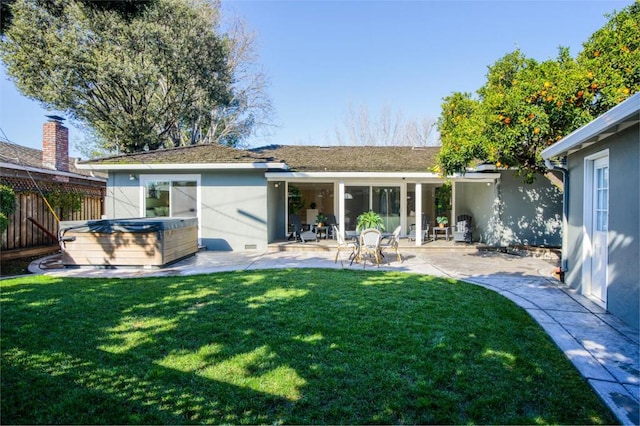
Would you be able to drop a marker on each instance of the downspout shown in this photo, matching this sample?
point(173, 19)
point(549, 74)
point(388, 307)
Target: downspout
point(565, 207)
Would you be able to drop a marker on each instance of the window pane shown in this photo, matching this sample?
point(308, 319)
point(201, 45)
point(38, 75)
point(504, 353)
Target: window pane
point(183, 198)
point(157, 199)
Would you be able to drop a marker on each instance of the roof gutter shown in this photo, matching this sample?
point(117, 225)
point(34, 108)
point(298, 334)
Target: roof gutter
point(468, 177)
point(197, 166)
point(561, 167)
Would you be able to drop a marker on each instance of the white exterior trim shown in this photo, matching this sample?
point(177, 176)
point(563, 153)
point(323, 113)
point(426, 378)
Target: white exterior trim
point(597, 129)
point(408, 176)
point(173, 166)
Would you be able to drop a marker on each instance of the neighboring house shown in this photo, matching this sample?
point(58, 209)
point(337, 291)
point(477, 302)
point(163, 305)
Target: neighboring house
point(33, 173)
point(242, 198)
point(601, 243)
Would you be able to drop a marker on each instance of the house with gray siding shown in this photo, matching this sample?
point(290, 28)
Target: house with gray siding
point(243, 198)
point(601, 161)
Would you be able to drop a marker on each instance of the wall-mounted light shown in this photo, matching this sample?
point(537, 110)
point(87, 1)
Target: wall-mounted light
point(277, 184)
point(132, 176)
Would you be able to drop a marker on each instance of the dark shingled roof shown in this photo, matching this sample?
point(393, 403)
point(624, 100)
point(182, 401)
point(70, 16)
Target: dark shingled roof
point(193, 154)
point(302, 158)
point(30, 157)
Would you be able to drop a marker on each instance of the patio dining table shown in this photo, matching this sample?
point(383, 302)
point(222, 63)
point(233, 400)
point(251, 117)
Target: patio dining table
point(355, 236)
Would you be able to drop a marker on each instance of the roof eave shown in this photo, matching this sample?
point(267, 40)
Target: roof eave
point(189, 166)
point(51, 172)
point(476, 177)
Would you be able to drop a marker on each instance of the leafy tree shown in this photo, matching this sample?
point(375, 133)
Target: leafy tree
point(526, 105)
point(461, 132)
point(612, 58)
point(162, 76)
point(127, 8)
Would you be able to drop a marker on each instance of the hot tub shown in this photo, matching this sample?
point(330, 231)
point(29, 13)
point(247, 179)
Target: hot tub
point(128, 242)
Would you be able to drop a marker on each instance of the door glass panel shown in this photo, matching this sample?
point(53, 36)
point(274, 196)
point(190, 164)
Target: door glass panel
point(157, 199)
point(171, 198)
point(183, 199)
point(602, 198)
point(386, 202)
point(356, 202)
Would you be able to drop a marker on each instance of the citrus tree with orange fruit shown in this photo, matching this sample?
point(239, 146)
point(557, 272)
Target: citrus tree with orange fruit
point(526, 105)
point(612, 58)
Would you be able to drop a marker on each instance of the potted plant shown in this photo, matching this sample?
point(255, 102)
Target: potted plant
point(321, 219)
point(370, 219)
point(442, 221)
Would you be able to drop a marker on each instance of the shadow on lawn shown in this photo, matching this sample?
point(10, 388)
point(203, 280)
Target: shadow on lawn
point(314, 346)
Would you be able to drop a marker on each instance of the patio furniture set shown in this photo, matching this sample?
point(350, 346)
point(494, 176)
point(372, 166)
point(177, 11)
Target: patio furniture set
point(460, 233)
point(370, 244)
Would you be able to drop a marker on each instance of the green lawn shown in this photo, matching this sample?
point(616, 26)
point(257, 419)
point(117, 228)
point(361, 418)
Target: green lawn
point(280, 346)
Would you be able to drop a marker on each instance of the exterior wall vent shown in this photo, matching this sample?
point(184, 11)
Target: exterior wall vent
point(251, 247)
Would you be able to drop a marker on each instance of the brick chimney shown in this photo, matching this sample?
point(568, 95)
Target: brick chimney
point(55, 144)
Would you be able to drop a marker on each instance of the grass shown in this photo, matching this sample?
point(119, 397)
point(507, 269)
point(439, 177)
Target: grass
point(279, 346)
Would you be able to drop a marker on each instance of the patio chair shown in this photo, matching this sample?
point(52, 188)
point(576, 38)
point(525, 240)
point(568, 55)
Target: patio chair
point(391, 243)
point(298, 232)
point(343, 246)
point(370, 246)
point(331, 222)
point(462, 231)
point(425, 229)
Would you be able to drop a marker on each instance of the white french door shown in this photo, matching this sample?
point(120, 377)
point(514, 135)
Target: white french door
point(597, 227)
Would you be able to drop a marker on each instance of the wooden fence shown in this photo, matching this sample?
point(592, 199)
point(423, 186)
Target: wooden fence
point(33, 225)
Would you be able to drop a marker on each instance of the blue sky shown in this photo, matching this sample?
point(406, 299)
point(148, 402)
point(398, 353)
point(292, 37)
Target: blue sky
point(323, 56)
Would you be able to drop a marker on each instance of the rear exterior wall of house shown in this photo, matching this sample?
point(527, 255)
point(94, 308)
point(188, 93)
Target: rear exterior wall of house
point(232, 205)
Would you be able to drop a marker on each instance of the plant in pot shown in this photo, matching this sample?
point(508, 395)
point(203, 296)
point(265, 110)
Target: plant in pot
point(321, 219)
point(442, 221)
point(370, 219)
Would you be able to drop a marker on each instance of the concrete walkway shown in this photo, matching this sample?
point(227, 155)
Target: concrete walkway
point(603, 349)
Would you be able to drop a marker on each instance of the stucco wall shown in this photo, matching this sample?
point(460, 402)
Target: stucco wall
point(234, 210)
point(623, 295)
point(277, 207)
point(233, 206)
point(530, 214)
point(511, 212)
point(123, 196)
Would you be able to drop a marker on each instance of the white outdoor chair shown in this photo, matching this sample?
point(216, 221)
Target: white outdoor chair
point(391, 243)
point(344, 246)
point(370, 246)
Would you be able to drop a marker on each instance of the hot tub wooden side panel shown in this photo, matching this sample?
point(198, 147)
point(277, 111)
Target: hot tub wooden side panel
point(116, 249)
point(179, 243)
